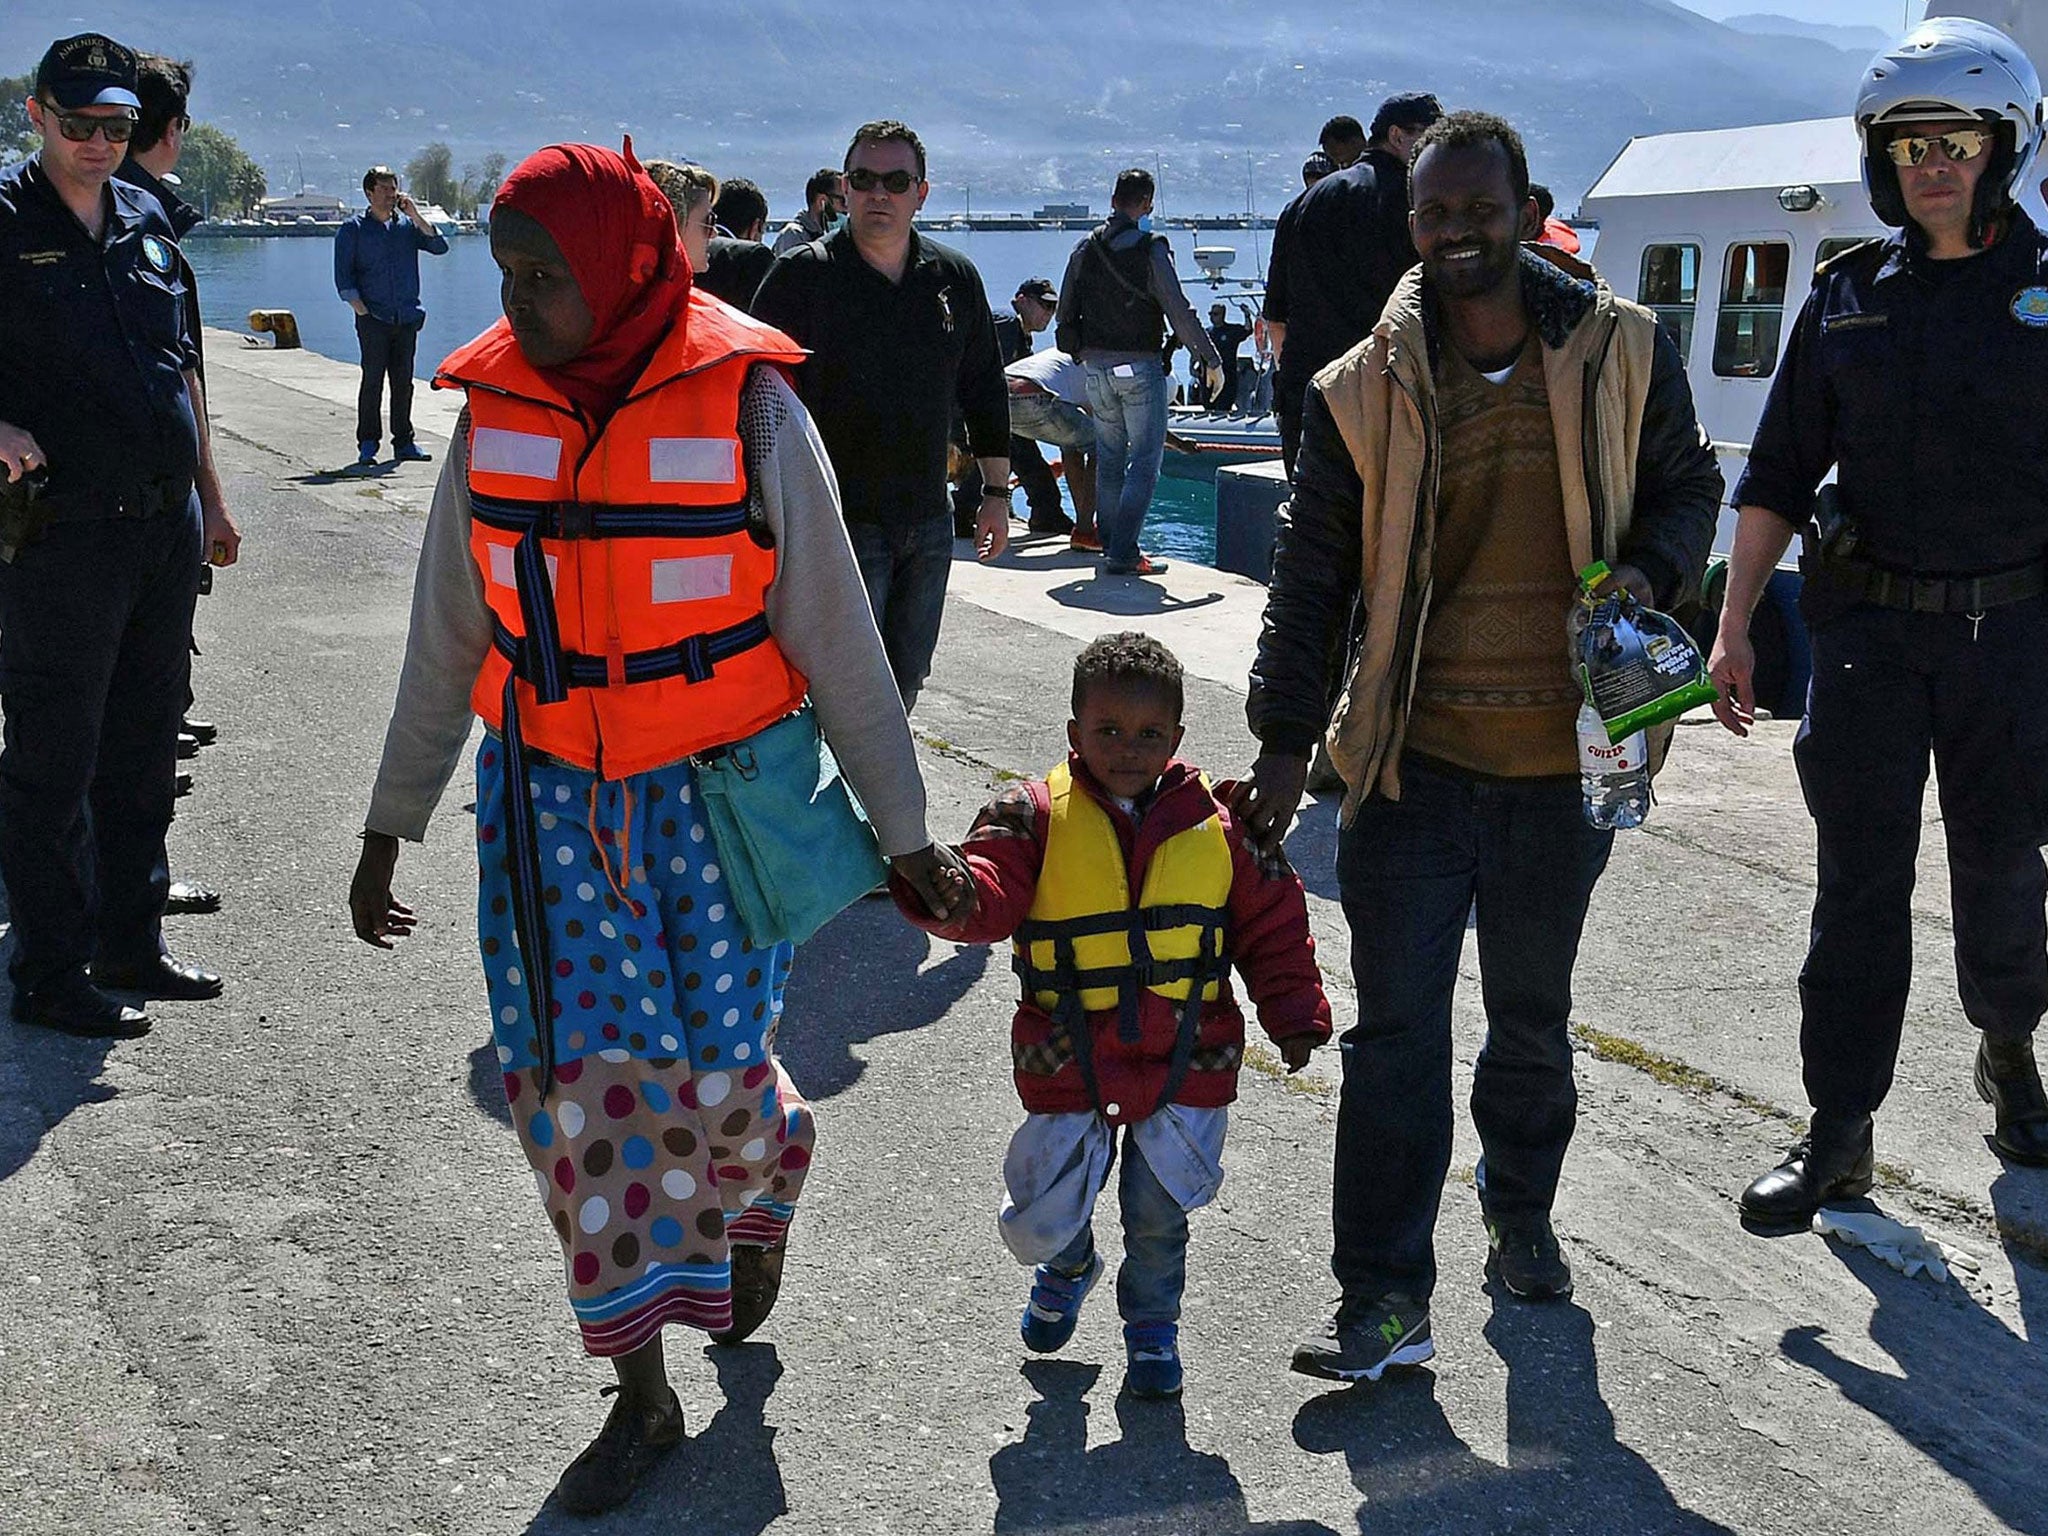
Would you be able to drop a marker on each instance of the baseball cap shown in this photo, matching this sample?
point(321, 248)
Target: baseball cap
point(88, 70)
point(1041, 289)
point(1406, 109)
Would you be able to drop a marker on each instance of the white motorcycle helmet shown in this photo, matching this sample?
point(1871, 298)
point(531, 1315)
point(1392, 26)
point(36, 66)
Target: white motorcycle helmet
point(1956, 68)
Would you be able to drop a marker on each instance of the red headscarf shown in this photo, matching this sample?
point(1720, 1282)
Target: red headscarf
point(618, 234)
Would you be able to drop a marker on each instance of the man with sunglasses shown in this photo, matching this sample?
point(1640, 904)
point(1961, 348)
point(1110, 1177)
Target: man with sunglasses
point(100, 403)
point(1916, 372)
point(900, 336)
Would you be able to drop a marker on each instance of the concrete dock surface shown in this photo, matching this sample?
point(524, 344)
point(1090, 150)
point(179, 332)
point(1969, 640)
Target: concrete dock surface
point(279, 1266)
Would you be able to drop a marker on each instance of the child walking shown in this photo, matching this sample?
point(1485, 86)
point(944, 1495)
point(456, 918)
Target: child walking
point(1129, 893)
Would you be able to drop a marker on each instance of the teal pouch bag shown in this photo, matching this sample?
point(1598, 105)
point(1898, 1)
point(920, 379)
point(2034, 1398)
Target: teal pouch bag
point(792, 839)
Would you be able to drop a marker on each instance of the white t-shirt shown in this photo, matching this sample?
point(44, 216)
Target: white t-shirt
point(1053, 370)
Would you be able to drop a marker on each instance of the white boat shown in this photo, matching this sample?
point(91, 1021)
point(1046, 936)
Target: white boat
point(1720, 232)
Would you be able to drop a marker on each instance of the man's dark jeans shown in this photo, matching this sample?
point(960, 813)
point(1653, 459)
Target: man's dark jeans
point(387, 353)
point(904, 566)
point(1520, 855)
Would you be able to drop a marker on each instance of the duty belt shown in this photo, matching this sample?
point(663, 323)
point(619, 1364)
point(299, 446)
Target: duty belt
point(1935, 594)
point(538, 659)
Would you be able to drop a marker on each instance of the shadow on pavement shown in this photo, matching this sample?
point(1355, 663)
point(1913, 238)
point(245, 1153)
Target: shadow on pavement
point(1148, 1480)
point(1312, 845)
point(487, 1082)
point(1566, 1471)
point(2017, 1195)
point(1967, 1392)
point(723, 1480)
point(860, 979)
point(1126, 594)
point(48, 1073)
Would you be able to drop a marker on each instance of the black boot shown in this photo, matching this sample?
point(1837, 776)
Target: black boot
point(2011, 1085)
point(1832, 1162)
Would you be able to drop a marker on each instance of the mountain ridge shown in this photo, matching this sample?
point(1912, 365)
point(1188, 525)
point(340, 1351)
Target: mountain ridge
point(1019, 104)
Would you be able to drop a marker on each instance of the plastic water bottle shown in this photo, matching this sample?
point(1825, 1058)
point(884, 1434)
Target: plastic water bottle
point(1614, 776)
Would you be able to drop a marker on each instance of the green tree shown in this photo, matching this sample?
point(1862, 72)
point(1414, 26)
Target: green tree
point(430, 176)
point(219, 177)
point(480, 185)
point(17, 139)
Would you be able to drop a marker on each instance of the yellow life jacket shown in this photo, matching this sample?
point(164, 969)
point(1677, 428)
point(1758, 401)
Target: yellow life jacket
point(1084, 939)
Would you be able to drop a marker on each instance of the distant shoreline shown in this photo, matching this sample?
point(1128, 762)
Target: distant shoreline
point(994, 223)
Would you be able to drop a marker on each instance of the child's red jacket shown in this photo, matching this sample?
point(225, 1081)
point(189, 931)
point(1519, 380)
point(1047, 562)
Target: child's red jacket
point(1268, 943)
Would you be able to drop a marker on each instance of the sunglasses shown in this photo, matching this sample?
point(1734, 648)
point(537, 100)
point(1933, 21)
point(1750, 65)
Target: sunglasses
point(1959, 145)
point(79, 128)
point(895, 183)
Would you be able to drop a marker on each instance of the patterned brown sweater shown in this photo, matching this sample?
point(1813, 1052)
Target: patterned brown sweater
point(1494, 693)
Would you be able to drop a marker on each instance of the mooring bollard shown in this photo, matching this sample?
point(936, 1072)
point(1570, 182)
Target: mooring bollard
point(281, 324)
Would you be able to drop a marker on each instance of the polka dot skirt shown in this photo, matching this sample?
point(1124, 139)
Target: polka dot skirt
point(671, 1132)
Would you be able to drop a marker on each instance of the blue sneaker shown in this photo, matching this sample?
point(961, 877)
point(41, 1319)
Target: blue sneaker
point(366, 455)
point(411, 453)
point(1152, 1359)
point(1055, 1305)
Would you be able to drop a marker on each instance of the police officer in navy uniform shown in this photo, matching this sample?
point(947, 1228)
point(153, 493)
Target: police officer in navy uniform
point(1917, 372)
point(100, 405)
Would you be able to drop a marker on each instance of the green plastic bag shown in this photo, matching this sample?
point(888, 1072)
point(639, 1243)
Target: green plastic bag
point(1636, 666)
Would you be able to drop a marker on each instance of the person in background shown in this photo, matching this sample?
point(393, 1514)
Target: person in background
point(627, 996)
point(1125, 828)
point(1338, 250)
point(1550, 229)
point(1344, 141)
point(377, 274)
point(1031, 311)
point(103, 413)
point(689, 189)
point(737, 260)
point(164, 86)
point(824, 207)
point(1228, 337)
point(1117, 301)
point(1049, 404)
point(899, 337)
point(1432, 486)
point(1315, 168)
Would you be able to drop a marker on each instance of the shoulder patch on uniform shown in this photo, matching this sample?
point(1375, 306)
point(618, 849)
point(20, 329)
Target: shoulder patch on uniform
point(157, 252)
point(1860, 248)
point(2030, 307)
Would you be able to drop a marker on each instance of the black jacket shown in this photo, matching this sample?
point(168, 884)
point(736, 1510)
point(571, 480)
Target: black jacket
point(733, 270)
point(889, 362)
point(1924, 384)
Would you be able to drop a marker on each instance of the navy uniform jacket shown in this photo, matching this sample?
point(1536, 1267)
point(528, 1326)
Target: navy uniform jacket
point(97, 345)
point(1925, 385)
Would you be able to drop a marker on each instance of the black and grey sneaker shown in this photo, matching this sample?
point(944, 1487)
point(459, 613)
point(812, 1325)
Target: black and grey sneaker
point(1521, 1254)
point(1366, 1337)
point(631, 1444)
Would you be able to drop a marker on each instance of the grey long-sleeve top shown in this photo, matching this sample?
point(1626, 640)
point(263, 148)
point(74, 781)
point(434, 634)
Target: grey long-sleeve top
point(817, 610)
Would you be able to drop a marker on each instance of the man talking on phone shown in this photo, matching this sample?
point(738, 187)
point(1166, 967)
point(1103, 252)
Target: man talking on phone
point(377, 274)
point(109, 501)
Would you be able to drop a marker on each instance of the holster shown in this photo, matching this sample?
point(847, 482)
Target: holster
point(23, 512)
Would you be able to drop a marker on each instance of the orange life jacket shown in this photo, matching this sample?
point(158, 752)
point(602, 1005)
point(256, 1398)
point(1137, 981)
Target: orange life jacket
point(627, 583)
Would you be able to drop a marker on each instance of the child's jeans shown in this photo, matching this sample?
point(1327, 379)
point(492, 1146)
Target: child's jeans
point(1154, 1273)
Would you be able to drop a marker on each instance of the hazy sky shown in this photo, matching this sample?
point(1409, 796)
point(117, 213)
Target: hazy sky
point(1888, 14)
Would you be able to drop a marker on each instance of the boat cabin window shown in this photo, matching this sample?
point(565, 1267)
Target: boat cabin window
point(1752, 309)
point(1671, 287)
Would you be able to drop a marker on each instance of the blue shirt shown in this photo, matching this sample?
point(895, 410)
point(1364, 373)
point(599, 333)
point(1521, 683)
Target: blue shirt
point(1921, 383)
point(97, 343)
point(380, 264)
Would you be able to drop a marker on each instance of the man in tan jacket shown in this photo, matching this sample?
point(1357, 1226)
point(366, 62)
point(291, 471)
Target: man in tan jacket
point(1505, 424)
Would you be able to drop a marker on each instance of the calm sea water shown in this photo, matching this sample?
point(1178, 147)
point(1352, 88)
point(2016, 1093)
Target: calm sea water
point(460, 292)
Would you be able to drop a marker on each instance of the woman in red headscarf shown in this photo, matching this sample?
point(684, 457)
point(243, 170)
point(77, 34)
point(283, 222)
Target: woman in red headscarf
point(635, 557)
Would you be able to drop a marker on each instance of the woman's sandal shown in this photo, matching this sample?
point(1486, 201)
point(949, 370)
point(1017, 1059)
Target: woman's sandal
point(631, 1445)
point(756, 1282)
